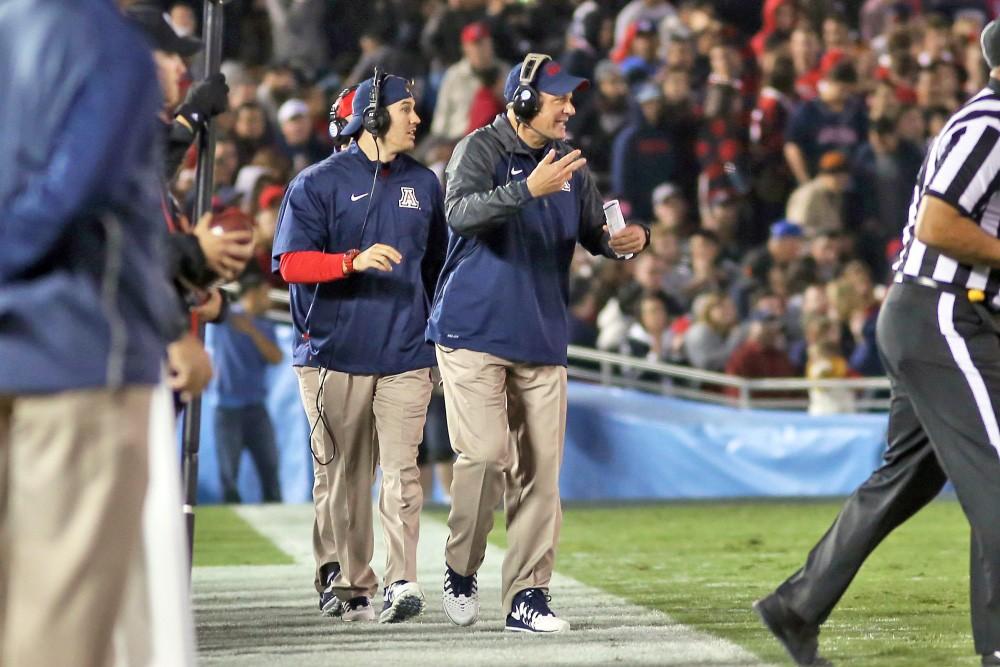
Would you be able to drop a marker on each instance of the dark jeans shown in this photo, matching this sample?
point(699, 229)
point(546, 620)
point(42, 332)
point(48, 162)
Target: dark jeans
point(248, 427)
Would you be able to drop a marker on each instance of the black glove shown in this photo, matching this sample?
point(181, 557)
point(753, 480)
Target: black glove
point(205, 100)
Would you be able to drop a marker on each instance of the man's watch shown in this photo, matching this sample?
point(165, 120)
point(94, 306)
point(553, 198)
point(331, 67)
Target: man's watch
point(348, 263)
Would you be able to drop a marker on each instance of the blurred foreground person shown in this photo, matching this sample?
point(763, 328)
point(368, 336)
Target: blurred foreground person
point(85, 316)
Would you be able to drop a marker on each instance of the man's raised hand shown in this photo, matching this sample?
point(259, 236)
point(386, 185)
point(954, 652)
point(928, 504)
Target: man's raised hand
point(550, 174)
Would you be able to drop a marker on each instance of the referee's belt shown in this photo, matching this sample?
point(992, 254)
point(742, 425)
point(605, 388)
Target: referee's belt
point(973, 296)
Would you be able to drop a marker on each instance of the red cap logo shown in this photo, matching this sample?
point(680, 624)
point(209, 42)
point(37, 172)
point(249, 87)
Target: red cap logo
point(552, 69)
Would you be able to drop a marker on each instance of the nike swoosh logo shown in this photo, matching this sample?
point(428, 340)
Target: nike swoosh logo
point(360, 196)
point(516, 171)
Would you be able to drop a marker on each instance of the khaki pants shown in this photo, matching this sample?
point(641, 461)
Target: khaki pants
point(507, 423)
point(73, 472)
point(372, 419)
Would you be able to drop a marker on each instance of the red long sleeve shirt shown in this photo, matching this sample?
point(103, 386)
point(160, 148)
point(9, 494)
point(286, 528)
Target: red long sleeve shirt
point(311, 266)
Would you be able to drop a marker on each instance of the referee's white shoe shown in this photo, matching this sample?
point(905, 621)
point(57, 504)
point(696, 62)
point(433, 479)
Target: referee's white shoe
point(461, 597)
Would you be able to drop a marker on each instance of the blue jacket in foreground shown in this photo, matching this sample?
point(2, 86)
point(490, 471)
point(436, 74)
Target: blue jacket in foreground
point(370, 322)
point(84, 297)
point(504, 288)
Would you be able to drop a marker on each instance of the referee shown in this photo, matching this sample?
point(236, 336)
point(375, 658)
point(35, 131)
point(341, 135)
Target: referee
point(940, 345)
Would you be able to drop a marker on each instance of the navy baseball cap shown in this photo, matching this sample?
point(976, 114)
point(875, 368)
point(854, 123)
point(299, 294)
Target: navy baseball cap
point(551, 79)
point(394, 89)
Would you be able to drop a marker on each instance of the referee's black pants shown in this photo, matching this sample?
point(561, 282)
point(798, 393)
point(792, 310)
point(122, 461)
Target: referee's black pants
point(943, 360)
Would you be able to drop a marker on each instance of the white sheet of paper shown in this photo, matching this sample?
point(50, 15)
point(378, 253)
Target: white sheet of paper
point(615, 219)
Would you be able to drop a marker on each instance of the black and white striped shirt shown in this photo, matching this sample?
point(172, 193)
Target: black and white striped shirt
point(962, 168)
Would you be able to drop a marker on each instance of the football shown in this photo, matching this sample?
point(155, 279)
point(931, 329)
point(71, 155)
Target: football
point(231, 219)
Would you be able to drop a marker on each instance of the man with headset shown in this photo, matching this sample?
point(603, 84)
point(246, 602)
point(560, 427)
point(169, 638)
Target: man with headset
point(518, 200)
point(360, 353)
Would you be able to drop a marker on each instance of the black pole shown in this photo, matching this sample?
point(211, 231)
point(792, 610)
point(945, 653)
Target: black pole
point(204, 187)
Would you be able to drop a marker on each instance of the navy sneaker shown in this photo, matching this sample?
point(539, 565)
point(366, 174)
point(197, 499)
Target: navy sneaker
point(800, 639)
point(530, 613)
point(358, 609)
point(329, 603)
point(403, 600)
point(461, 597)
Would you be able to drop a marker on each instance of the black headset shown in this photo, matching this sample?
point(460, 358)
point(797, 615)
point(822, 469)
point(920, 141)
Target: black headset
point(527, 103)
point(375, 118)
point(337, 122)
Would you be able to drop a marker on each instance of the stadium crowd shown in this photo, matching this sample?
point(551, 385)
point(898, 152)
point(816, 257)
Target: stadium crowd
point(772, 146)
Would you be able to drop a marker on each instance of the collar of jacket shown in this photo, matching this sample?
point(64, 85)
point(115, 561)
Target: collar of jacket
point(394, 166)
point(511, 143)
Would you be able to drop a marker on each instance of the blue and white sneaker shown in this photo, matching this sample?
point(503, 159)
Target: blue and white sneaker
point(530, 613)
point(461, 597)
point(358, 609)
point(403, 600)
point(329, 603)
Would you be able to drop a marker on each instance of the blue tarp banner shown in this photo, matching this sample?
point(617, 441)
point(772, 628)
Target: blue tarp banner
point(622, 445)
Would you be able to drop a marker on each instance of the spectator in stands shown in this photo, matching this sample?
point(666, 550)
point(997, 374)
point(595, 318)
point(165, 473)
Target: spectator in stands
point(834, 121)
point(441, 37)
point(709, 269)
point(645, 153)
point(724, 216)
point(243, 347)
point(642, 61)
point(462, 81)
point(249, 131)
point(670, 208)
point(836, 32)
point(277, 86)
point(651, 11)
point(265, 222)
point(600, 117)
point(714, 335)
point(762, 354)
point(582, 314)
point(297, 32)
point(825, 362)
point(804, 49)
point(780, 18)
point(818, 204)
point(884, 173)
point(589, 39)
point(299, 142)
point(650, 337)
point(183, 19)
point(226, 162)
point(773, 181)
point(783, 247)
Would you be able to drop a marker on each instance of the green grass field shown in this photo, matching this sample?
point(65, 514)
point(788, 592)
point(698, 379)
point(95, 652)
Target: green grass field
point(222, 537)
point(704, 563)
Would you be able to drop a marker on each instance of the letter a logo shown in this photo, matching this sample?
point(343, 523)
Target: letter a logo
point(408, 199)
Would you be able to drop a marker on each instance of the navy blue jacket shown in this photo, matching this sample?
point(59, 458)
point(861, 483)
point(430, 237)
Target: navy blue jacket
point(504, 288)
point(371, 322)
point(84, 299)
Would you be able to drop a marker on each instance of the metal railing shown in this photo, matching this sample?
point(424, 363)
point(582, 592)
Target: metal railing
point(619, 370)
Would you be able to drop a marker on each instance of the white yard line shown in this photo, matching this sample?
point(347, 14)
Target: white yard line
point(268, 616)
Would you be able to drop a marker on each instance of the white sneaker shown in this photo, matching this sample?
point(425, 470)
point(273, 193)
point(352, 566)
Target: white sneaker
point(358, 609)
point(403, 600)
point(530, 613)
point(461, 598)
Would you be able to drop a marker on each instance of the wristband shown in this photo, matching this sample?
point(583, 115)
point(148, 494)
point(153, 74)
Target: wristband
point(348, 263)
